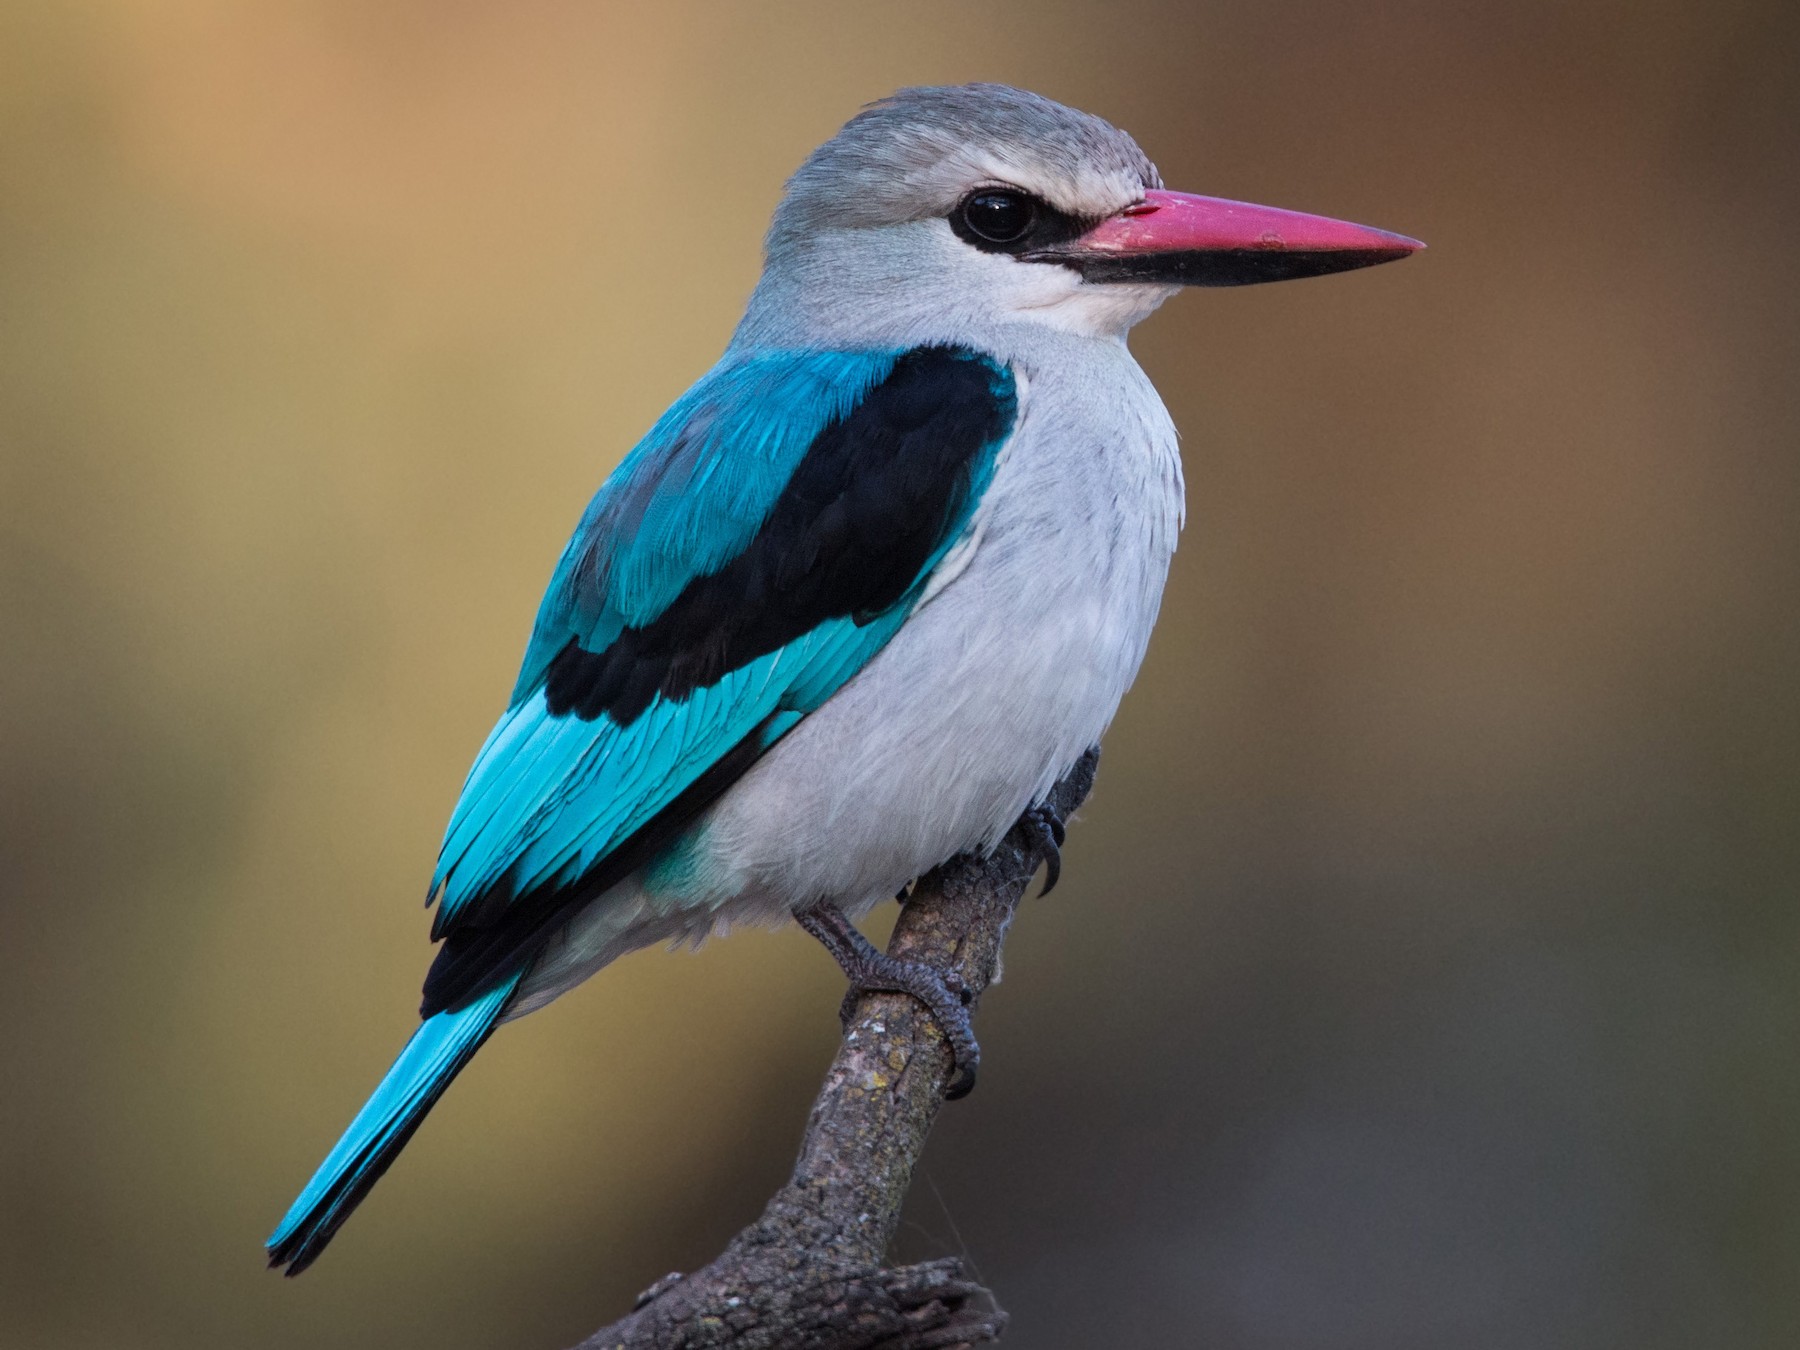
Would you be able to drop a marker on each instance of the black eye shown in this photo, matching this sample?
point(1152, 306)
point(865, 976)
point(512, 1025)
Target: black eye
point(994, 216)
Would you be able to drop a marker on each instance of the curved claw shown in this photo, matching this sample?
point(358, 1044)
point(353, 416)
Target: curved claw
point(1045, 828)
point(962, 1078)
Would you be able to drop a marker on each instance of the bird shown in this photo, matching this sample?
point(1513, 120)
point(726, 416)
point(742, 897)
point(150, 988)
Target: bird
point(859, 598)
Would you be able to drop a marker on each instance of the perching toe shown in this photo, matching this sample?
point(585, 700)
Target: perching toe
point(872, 970)
point(1043, 828)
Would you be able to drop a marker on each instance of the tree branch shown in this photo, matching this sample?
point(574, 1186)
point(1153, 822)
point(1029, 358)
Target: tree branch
point(808, 1274)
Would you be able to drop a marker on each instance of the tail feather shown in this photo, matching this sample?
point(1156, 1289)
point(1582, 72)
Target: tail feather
point(435, 1055)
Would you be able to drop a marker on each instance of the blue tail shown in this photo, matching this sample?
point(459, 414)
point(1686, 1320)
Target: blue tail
point(434, 1056)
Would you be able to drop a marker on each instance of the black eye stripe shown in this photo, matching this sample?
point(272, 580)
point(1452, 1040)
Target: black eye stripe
point(1010, 220)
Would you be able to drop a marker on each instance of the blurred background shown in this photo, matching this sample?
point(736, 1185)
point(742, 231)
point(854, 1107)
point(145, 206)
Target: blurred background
point(1426, 970)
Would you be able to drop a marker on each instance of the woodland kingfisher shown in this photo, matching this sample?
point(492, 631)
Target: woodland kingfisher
point(859, 598)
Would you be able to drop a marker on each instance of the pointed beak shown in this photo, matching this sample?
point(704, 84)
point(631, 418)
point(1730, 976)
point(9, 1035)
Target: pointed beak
point(1176, 239)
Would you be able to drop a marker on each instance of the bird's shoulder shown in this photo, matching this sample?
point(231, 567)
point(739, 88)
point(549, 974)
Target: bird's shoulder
point(778, 467)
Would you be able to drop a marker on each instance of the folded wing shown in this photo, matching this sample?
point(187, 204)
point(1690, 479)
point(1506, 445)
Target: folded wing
point(765, 540)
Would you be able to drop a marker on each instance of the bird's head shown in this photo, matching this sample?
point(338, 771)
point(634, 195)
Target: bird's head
point(940, 212)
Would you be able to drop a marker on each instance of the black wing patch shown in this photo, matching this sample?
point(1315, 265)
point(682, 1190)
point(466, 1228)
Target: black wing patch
point(868, 505)
point(874, 497)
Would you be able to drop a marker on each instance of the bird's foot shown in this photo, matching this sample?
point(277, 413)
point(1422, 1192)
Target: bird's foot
point(871, 970)
point(1044, 829)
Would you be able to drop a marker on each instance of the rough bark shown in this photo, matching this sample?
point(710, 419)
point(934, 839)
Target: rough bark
point(808, 1274)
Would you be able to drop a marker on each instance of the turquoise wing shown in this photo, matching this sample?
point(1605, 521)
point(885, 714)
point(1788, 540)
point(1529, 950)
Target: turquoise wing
point(756, 549)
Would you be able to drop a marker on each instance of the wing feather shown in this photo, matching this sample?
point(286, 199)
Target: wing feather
point(757, 548)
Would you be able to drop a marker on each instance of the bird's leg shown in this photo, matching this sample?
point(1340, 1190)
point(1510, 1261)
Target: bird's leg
point(1043, 827)
point(870, 970)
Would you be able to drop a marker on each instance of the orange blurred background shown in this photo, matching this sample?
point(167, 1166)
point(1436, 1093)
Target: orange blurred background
point(1424, 971)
